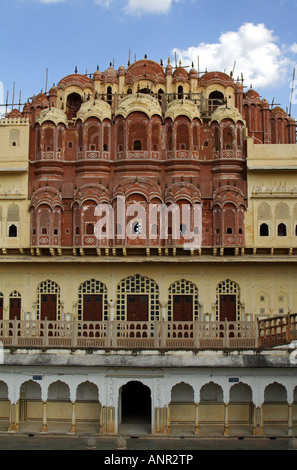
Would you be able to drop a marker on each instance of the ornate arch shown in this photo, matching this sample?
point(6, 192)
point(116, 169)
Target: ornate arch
point(138, 284)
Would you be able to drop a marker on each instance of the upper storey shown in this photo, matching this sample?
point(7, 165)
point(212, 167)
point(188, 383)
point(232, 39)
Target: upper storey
point(166, 84)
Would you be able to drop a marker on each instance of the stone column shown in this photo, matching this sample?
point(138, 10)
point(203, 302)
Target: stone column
point(290, 420)
point(14, 417)
point(44, 417)
point(73, 417)
point(161, 420)
point(168, 420)
point(258, 421)
point(226, 419)
point(196, 419)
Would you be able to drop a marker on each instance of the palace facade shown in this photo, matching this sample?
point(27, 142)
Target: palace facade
point(148, 232)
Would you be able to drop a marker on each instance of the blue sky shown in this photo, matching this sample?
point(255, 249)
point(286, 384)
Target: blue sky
point(259, 38)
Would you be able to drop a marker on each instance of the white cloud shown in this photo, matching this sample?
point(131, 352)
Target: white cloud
point(148, 6)
point(254, 49)
point(51, 1)
point(140, 7)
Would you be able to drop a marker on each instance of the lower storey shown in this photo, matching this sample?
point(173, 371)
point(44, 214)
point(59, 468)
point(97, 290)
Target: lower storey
point(193, 401)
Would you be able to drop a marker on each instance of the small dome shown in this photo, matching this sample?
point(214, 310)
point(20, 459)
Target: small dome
point(54, 115)
point(138, 102)
point(110, 75)
point(145, 70)
point(216, 77)
point(15, 113)
point(180, 74)
point(252, 95)
point(278, 111)
point(193, 73)
point(122, 70)
point(40, 101)
point(94, 108)
point(182, 108)
point(224, 112)
point(97, 75)
point(76, 79)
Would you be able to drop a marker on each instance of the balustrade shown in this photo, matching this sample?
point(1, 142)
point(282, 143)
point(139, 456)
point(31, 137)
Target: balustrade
point(117, 334)
point(127, 335)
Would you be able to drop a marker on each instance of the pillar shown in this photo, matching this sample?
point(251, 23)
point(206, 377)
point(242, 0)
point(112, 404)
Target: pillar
point(73, 417)
point(168, 420)
point(196, 419)
point(44, 417)
point(14, 417)
point(258, 421)
point(107, 420)
point(226, 419)
point(290, 420)
point(161, 420)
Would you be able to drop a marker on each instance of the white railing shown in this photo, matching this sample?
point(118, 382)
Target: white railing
point(128, 335)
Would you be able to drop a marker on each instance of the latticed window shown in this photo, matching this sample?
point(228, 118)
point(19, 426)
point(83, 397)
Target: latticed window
point(12, 220)
point(224, 289)
point(44, 222)
point(15, 305)
point(92, 287)
point(138, 285)
point(48, 288)
point(183, 288)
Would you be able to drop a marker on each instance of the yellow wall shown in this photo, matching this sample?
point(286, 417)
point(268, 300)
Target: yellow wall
point(263, 289)
point(14, 151)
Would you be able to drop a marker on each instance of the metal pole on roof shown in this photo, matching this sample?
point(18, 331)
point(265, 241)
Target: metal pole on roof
point(292, 89)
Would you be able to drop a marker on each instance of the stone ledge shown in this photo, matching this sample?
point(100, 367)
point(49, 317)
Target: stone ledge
point(276, 358)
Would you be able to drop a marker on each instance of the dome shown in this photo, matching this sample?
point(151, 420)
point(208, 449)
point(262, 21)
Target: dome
point(94, 108)
point(145, 70)
point(216, 77)
point(252, 95)
point(122, 70)
point(180, 74)
point(110, 75)
point(55, 115)
point(97, 75)
point(193, 73)
point(40, 100)
point(222, 112)
point(278, 111)
point(76, 79)
point(182, 108)
point(138, 102)
point(15, 113)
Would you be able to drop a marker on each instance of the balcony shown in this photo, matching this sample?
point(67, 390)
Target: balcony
point(157, 335)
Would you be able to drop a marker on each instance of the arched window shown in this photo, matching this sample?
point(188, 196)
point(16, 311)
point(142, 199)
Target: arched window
point(109, 95)
point(182, 137)
point(73, 104)
point(183, 302)
point(281, 230)
point(12, 220)
point(180, 92)
point(15, 305)
point(228, 301)
point(48, 301)
point(90, 229)
point(137, 145)
point(264, 230)
point(1, 305)
point(216, 98)
point(137, 299)
point(92, 301)
point(12, 231)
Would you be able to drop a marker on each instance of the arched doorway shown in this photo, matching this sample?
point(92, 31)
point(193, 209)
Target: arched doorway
point(135, 408)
